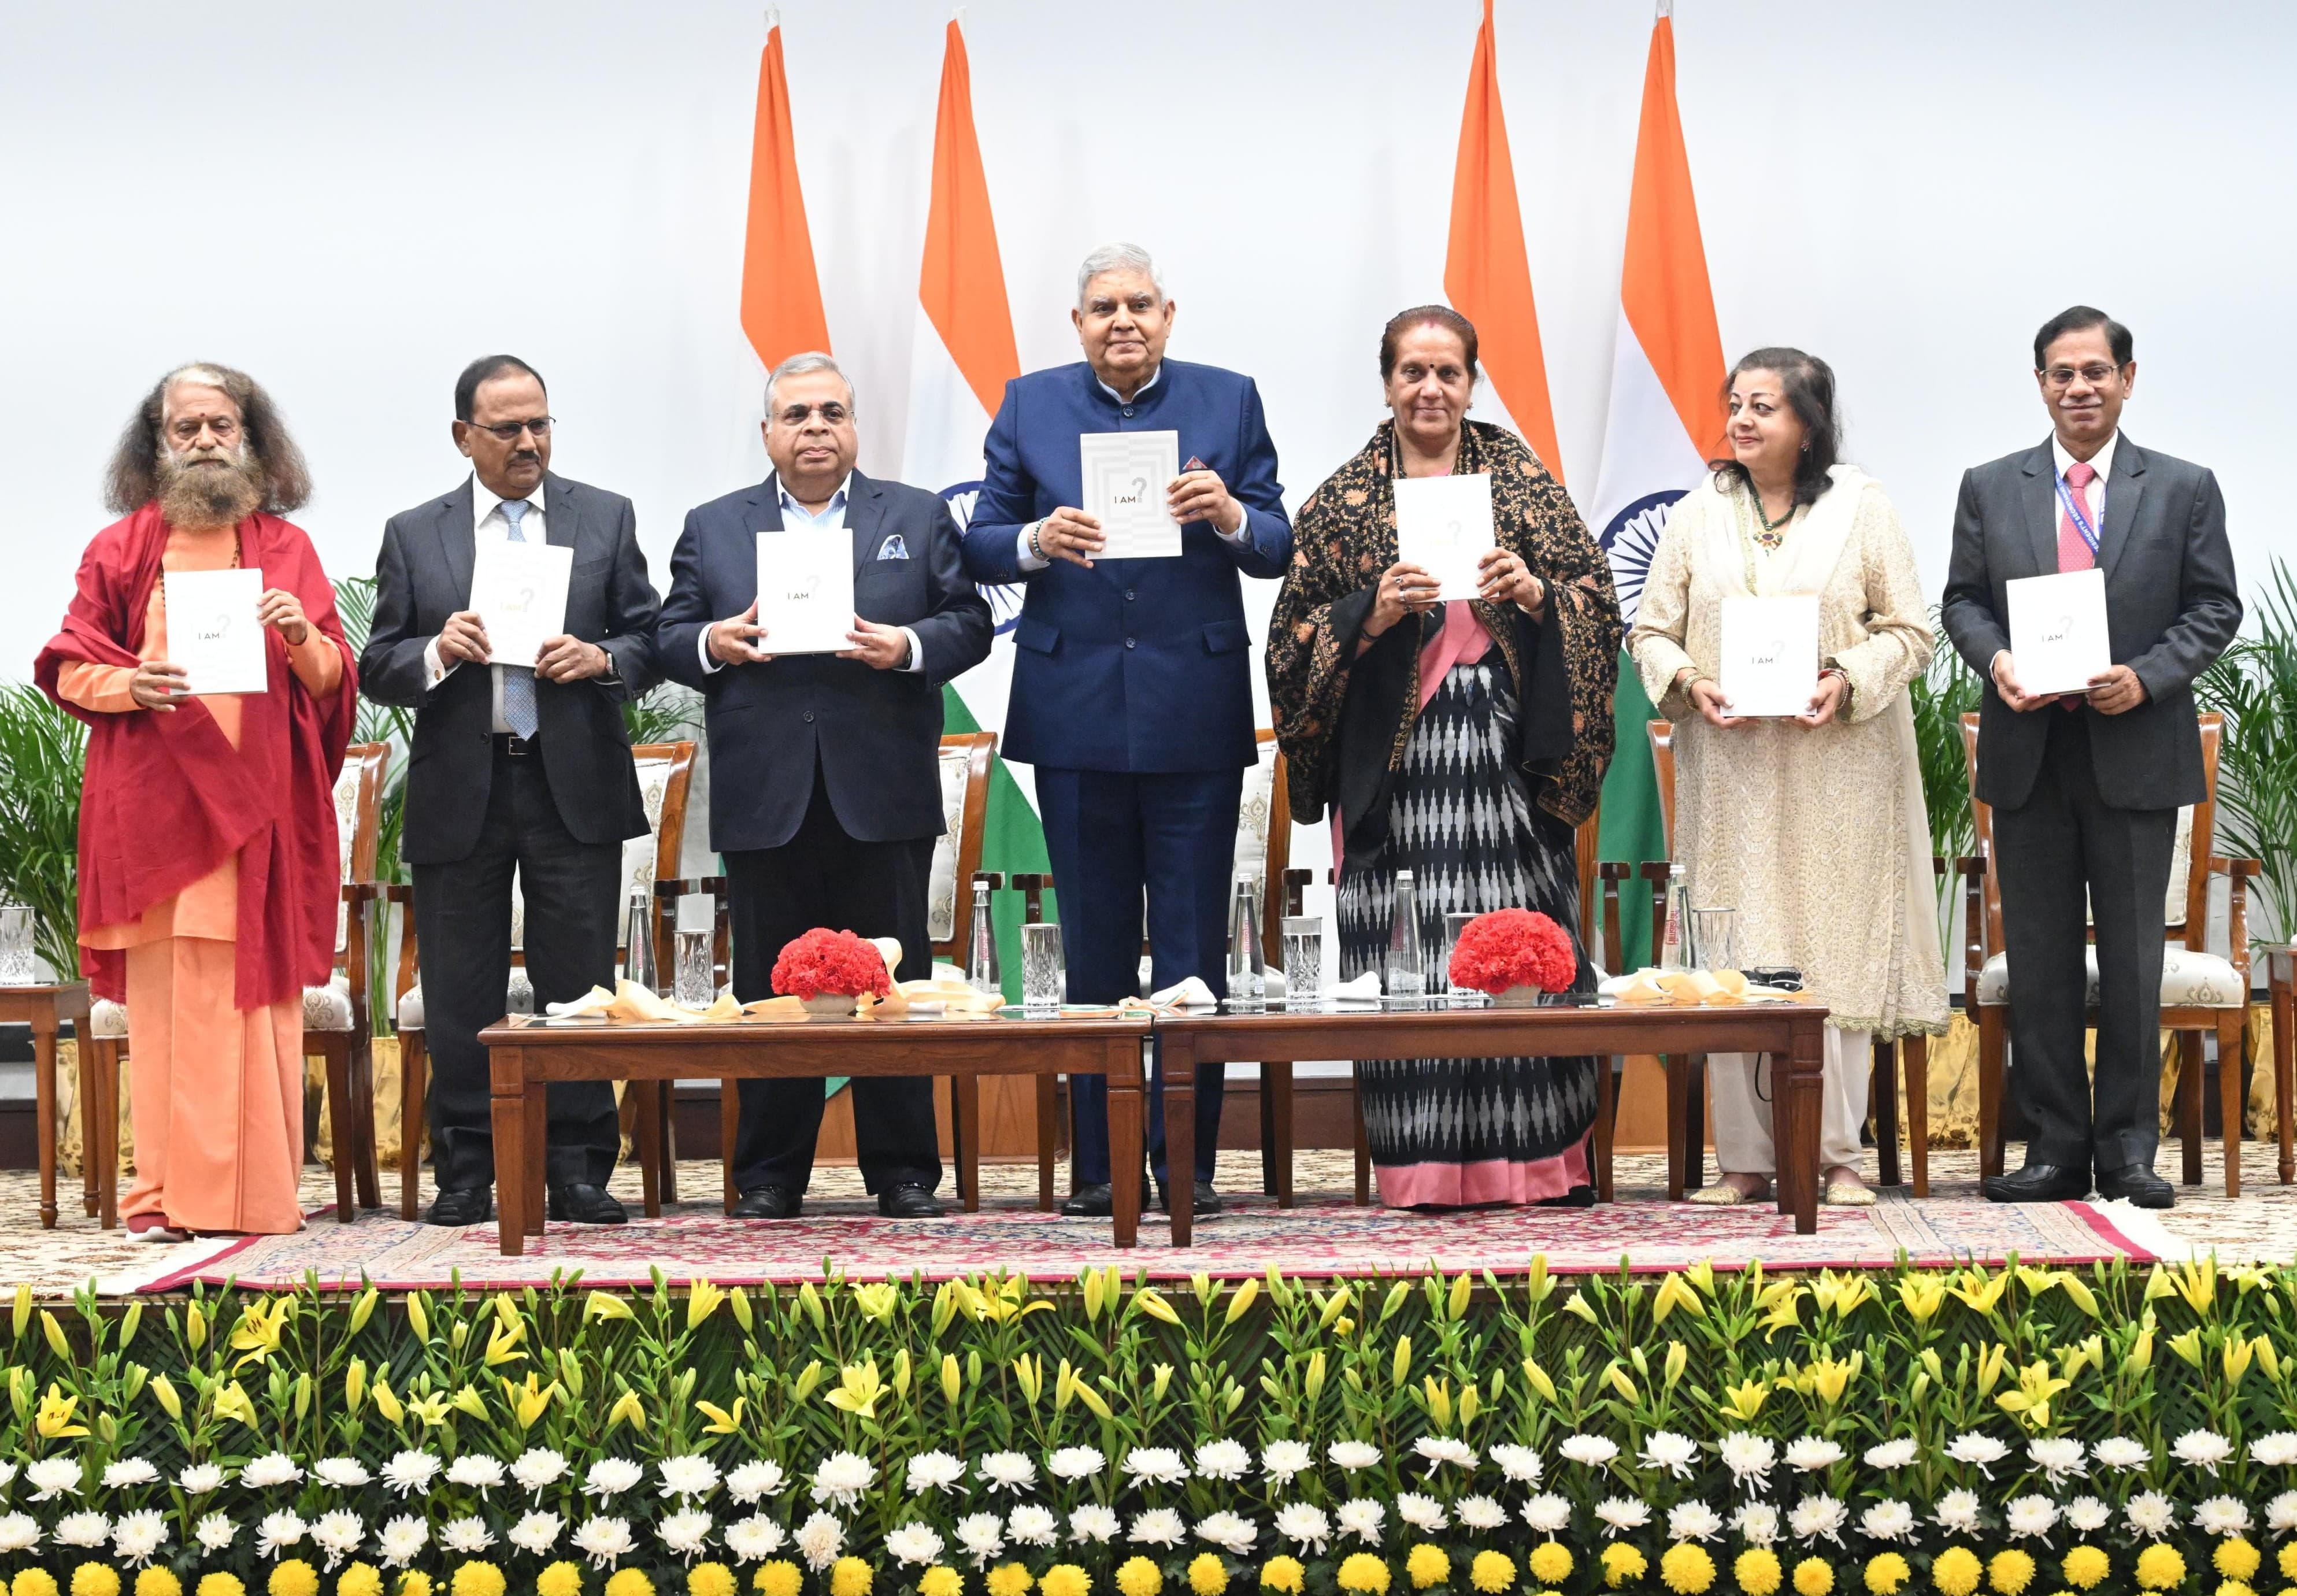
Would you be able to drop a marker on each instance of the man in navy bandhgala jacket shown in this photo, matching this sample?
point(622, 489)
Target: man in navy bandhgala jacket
point(1132, 679)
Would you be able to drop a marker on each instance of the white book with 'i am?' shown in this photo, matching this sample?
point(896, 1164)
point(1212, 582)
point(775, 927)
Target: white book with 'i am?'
point(213, 632)
point(2058, 635)
point(1770, 654)
point(805, 590)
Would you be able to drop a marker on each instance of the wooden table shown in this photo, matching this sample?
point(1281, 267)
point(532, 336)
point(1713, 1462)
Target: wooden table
point(2281, 986)
point(527, 1054)
point(46, 1010)
point(1790, 1032)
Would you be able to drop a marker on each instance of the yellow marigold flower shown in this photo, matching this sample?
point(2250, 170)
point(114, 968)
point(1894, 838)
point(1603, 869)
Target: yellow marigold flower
point(39, 1582)
point(1492, 1572)
point(1813, 1576)
point(1757, 1569)
point(211, 1584)
point(1425, 1565)
point(294, 1577)
point(778, 1577)
point(2160, 1568)
point(2236, 1558)
point(1624, 1564)
point(1887, 1573)
point(2085, 1567)
point(940, 1580)
point(2233, 1587)
point(1686, 1569)
point(158, 1582)
point(1066, 1579)
point(1957, 1571)
point(1283, 1573)
point(1363, 1573)
point(1550, 1562)
point(559, 1579)
point(412, 1583)
point(1207, 1575)
point(478, 1579)
point(710, 1579)
point(1136, 1577)
point(95, 1579)
point(848, 1577)
point(2287, 1560)
point(2011, 1572)
point(629, 1582)
point(1010, 1579)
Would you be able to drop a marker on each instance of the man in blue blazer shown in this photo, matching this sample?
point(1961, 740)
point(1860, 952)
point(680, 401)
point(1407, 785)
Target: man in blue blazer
point(1131, 677)
point(825, 785)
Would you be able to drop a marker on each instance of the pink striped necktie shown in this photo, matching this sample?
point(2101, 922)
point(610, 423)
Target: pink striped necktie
point(2074, 551)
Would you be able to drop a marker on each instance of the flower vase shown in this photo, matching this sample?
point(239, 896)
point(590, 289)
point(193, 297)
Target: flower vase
point(832, 1006)
point(1520, 997)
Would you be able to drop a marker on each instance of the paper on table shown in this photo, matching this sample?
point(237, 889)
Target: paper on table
point(2058, 637)
point(519, 590)
point(805, 590)
point(1126, 475)
point(1444, 526)
point(1770, 654)
point(212, 631)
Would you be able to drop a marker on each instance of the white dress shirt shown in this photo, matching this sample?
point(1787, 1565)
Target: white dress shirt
point(831, 519)
point(489, 525)
point(1028, 560)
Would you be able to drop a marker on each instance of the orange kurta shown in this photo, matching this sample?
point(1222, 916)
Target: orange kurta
point(217, 1091)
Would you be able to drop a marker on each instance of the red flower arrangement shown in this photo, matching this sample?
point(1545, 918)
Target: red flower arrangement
point(836, 962)
point(1513, 947)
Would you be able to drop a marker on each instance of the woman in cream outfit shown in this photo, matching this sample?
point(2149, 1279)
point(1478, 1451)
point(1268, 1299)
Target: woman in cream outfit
point(1812, 828)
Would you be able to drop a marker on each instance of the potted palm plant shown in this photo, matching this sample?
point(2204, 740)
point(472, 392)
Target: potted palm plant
point(2253, 685)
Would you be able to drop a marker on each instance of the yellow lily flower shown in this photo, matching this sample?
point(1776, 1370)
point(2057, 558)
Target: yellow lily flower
point(1463, 1289)
point(2198, 1283)
point(529, 1401)
point(859, 1387)
point(1439, 1401)
point(721, 1422)
point(164, 1391)
point(2030, 1402)
point(1030, 1372)
point(627, 1409)
point(1400, 1365)
point(468, 1400)
point(1538, 1380)
point(386, 1403)
point(1980, 1294)
point(54, 1331)
point(878, 1301)
point(55, 1420)
point(1676, 1292)
point(355, 1385)
point(1240, 1302)
point(2188, 1345)
point(1701, 1274)
point(702, 1300)
point(503, 1342)
point(1678, 1359)
point(433, 1408)
point(1745, 1400)
point(1151, 1301)
point(2078, 1292)
point(1923, 1295)
point(1840, 1293)
point(951, 1384)
point(2237, 1356)
point(605, 1305)
point(1830, 1378)
point(232, 1401)
point(2267, 1358)
point(1991, 1361)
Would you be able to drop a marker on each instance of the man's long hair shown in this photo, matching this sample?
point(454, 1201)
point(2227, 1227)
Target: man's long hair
point(133, 477)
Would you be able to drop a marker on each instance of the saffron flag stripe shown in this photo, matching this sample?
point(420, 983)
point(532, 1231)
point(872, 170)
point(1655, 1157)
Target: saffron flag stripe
point(781, 295)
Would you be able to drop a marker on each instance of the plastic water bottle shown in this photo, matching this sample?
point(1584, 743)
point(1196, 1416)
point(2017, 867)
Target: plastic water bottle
point(1407, 977)
point(638, 966)
point(1247, 979)
point(981, 972)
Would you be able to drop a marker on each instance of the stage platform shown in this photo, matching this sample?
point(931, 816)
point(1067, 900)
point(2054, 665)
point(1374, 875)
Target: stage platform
point(1326, 1233)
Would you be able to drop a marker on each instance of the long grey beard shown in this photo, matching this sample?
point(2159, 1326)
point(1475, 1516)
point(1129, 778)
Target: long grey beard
point(201, 496)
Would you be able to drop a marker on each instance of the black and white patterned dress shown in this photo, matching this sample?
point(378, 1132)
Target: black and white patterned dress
point(1451, 1131)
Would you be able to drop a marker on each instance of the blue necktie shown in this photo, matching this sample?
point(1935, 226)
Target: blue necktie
point(518, 680)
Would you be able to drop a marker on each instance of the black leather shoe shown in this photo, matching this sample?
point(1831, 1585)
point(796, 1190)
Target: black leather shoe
point(2138, 1185)
point(768, 1202)
point(2038, 1183)
point(1205, 1203)
point(583, 1204)
point(1091, 1202)
point(908, 1201)
point(464, 1206)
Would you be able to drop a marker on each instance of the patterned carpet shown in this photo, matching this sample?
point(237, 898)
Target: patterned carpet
point(1324, 1233)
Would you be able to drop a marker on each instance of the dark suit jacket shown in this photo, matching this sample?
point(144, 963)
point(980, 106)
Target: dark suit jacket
point(877, 734)
point(1140, 666)
point(2171, 606)
point(422, 575)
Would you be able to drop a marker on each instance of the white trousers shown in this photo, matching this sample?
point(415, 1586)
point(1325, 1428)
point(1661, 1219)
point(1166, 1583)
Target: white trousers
point(1740, 1086)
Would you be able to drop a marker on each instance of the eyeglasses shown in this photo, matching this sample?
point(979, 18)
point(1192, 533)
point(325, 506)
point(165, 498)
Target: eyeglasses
point(508, 430)
point(832, 413)
point(2063, 376)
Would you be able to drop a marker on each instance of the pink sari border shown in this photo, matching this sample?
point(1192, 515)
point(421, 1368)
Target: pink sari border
point(1488, 1180)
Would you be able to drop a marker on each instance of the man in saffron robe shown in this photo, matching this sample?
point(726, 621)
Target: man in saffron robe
point(207, 848)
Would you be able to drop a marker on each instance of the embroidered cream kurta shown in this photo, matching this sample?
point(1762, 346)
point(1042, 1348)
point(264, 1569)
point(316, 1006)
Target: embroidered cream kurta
point(1817, 837)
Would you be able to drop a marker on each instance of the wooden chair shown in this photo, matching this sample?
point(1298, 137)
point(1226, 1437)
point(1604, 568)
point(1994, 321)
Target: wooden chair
point(665, 775)
point(335, 1017)
point(2200, 992)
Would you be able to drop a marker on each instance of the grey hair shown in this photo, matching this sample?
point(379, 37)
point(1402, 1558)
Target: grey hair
point(197, 374)
point(797, 366)
point(1118, 258)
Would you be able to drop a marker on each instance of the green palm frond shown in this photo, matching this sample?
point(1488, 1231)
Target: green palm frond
point(2253, 685)
point(1941, 695)
point(667, 714)
point(42, 756)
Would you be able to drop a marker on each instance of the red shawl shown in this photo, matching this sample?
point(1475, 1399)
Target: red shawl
point(165, 797)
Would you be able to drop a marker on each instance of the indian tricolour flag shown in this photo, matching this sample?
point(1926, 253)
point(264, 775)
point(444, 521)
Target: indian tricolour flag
point(963, 356)
point(1665, 422)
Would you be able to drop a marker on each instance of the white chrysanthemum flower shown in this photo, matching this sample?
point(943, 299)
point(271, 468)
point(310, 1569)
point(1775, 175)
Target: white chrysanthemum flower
point(1353, 1455)
point(1423, 1513)
point(121, 1475)
point(1361, 1517)
point(2059, 1457)
point(2222, 1516)
point(1757, 1522)
point(1891, 1456)
point(1693, 1521)
point(915, 1544)
point(1158, 1526)
point(1520, 1464)
point(1592, 1451)
point(1223, 1460)
point(753, 1539)
point(2150, 1514)
point(820, 1538)
point(467, 1534)
point(1306, 1526)
point(763, 1476)
point(18, 1531)
point(1888, 1519)
point(2276, 1450)
point(982, 1534)
point(214, 1531)
point(1622, 1514)
point(278, 1531)
point(2031, 1517)
point(476, 1471)
point(1666, 1452)
point(338, 1533)
point(604, 1541)
point(271, 1470)
point(1957, 1512)
point(1006, 1471)
point(2119, 1452)
point(685, 1533)
point(1810, 1454)
point(1479, 1513)
point(609, 1478)
point(1750, 1458)
point(2089, 1514)
point(1033, 1524)
point(1280, 1461)
point(1981, 1451)
point(2281, 1513)
point(410, 1471)
point(688, 1476)
point(82, 1529)
point(2202, 1449)
point(1156, 1466)
point(934, 1470)
point(138, 1535)
point(536, 1533)
point(1094, 1525)
point(1232, 1533)
point(1819, 1518)
point(842, 1478)
point(1076, 1462)
point(1440, 1450)
point(343, 1474)
point(539, 1468)
point(1548, 1513)
point(55, 1476)
point(202, 1479)
point(403, 1539)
